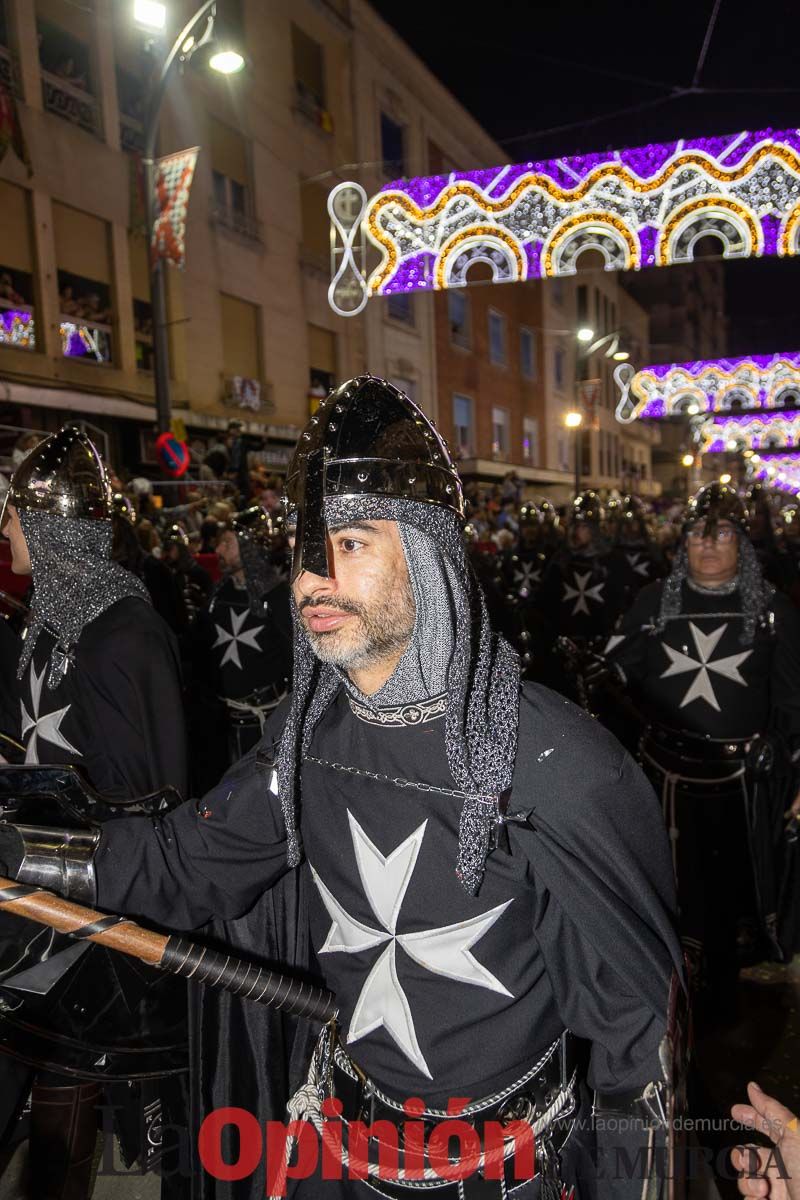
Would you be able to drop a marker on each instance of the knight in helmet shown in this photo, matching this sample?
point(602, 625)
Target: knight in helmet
point(581, 595)
point(777, 565)
point(245, 634)
point(711, 657)
point(488, 878)
point(194, 582)
point(98, 688)
point(162, 584)
point(635, 559)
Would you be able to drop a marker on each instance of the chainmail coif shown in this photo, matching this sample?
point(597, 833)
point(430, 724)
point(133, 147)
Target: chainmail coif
point(756, 593)
point(74, 581)
point(482, 683)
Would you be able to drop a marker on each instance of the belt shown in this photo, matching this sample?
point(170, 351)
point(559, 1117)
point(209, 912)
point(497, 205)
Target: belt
point(543, 1098)
point(696, 747)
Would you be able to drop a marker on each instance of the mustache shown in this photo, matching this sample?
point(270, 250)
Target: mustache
point(340, 605)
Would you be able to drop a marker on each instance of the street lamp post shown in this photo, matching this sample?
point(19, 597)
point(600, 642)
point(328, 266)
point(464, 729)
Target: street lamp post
point(226, 61)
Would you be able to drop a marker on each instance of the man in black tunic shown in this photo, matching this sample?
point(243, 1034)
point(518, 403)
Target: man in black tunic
point(712, 656)
point(488, 880)
point(97, 686)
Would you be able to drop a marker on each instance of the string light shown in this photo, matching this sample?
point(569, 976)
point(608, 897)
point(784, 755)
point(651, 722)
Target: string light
point(642, 207)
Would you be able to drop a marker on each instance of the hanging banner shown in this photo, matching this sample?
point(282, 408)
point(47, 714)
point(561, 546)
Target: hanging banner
point(171, 185)
point(589, 401)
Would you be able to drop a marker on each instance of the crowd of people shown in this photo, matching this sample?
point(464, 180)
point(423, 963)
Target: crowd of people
point(293, 667)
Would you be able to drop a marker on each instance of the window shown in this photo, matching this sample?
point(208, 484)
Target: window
point(17, 322)
point(559, 365)
point(497, 338)
point(142, 310)
point(84, 284)
point(527, 353)
point(458, 316)
point(530, 441)
point(393, 147)
point(500, 438)
point(309, 78)
point(400, 307)
point(438, 162)
point(322, 357)
point(407, 386)
point(241, 338)
point(64, 54)
point(230, 177)
point(462, 426)
point(316, 225)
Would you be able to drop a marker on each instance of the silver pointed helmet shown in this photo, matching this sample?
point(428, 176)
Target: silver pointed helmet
point(64, 476)
point(366, 439)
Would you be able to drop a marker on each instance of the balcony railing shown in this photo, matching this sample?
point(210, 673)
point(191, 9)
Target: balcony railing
point(235, 221)
point(131, 134)
point(17, 325)
point(71, 103)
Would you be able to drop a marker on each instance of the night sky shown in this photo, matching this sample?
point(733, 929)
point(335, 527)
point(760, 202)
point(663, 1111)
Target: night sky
point(548, 79)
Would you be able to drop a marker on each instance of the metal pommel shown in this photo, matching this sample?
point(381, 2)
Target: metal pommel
point(366, 439)
point(65, 476)
point(61, 860)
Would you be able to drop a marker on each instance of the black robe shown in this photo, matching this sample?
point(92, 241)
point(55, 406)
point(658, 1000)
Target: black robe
point(117, 715)
point(572, 926)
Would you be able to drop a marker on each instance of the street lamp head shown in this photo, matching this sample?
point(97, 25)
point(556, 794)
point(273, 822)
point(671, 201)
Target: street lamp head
point(573, 419)
point(226, 62)
point(151, 14)
point(688, 460)
point(585, 334)
point(621, 356)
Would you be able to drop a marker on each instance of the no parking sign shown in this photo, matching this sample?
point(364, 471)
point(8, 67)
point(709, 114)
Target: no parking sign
point(173, 454)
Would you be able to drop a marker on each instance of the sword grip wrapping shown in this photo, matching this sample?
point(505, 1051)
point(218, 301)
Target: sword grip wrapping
point(219, 970)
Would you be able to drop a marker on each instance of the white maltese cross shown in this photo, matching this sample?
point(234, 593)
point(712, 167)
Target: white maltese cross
point(445, 951)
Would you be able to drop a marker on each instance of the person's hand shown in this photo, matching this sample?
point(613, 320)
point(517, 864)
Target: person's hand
point(770, 1171)
point(793, 811)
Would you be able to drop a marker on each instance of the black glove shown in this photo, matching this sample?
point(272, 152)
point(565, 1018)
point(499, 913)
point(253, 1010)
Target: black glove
point(12, 850)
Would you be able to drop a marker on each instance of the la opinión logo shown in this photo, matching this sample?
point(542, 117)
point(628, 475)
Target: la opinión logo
point(449, 1150)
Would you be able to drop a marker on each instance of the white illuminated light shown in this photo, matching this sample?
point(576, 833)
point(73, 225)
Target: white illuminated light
point(585, 334)
point(688, 460)
point(755, 457)
point(150, 13)
point(693, 410)
point(731, 444)
point(572, 420)
point(724, 478)
point(227, 62)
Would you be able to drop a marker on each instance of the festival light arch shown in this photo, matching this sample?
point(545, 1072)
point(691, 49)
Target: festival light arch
point(642, 207)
